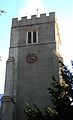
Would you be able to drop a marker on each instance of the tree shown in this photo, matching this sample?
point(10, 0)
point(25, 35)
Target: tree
point(62, 94)
point(34, 113)
point(62, 99)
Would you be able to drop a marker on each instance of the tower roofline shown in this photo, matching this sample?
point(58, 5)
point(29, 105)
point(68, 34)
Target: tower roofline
point(33, 20)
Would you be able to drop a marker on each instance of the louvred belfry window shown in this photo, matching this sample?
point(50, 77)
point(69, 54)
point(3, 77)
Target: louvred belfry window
point(29, 37)
point(32, 37)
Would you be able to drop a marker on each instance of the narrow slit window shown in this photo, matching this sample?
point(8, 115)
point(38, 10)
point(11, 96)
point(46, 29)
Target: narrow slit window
point(29, 37)
point(34, 36)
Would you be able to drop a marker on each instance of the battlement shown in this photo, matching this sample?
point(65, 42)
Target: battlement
point(34, 20)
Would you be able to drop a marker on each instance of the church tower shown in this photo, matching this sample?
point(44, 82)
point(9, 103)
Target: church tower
point(33, 60)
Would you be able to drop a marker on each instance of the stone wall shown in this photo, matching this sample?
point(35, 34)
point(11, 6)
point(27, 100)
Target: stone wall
point(27, 77)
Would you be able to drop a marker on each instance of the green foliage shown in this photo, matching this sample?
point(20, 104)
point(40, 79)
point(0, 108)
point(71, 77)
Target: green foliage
point(51, 113)
point(62, 94)
point(33, 113)
point(36, 114)
point(62, 99)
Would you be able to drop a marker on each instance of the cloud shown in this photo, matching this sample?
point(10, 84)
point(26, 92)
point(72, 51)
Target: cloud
point(66, 31)
point(31, 8)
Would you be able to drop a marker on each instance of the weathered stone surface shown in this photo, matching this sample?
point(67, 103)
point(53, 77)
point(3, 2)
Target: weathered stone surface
point(28, 81)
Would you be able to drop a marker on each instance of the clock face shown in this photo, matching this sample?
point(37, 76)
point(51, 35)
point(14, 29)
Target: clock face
point(31, 58)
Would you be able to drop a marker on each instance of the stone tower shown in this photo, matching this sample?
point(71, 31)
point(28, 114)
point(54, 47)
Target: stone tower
point(32, 62)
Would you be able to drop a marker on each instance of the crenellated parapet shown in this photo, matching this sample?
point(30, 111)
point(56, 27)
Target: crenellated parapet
point(34, 20)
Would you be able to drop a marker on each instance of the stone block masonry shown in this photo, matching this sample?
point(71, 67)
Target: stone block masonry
point(34, 20)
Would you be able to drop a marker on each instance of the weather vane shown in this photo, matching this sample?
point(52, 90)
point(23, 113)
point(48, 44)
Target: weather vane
point(37, 11)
